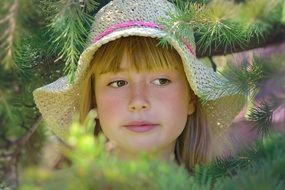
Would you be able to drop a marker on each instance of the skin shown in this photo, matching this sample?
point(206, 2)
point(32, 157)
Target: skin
point(161, 98)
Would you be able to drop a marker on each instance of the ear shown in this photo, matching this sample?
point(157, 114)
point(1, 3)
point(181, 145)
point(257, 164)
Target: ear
point(191, 106)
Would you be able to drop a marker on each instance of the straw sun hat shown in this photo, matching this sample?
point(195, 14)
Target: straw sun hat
point(59, 101)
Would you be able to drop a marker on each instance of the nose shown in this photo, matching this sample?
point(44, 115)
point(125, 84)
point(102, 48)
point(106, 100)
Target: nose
point(138, 98)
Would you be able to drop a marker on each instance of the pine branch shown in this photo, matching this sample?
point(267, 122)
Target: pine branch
point(244, 80)
point(222, 27)
point(261, 117)
point(222, 167)
point(248, 79)
point(8, 38)
point(267, 154)
point(277, 36)
point(268, 113)
point(266, 170)
point(69, 29)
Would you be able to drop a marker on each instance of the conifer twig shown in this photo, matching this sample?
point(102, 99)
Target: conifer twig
point(9, 34)
point(69, 30)
point(223, 27)
point(276, 37)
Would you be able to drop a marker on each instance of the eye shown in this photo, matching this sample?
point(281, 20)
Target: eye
point(161, 81)
point(118, 83)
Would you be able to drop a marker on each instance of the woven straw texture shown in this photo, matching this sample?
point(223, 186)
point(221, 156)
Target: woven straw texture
point(58, 101)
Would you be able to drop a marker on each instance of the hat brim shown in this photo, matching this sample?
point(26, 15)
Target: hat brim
point(59, 101)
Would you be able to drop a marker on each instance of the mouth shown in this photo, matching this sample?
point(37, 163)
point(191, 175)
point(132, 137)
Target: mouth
point(140, 126)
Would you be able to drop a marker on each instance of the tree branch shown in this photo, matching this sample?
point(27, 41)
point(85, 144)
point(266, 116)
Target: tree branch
point(276, 37)
point(23, 140)
point(11, 166)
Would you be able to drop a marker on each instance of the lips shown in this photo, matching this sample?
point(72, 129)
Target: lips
point(140, 126)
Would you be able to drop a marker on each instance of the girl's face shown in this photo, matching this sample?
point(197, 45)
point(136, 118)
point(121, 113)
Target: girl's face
point(143, 111)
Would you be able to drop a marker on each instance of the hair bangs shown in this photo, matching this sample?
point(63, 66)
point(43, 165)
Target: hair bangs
point(142, 53)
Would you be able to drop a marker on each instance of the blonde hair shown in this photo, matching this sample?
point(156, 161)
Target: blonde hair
point(192, 146)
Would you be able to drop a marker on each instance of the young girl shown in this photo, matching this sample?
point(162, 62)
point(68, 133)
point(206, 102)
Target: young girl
point(148, 98)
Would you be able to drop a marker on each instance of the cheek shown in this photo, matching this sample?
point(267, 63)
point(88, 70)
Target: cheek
point(107, 112)
point(175, 99)
point(174, 107)
point(108, 104)
point(176, 111)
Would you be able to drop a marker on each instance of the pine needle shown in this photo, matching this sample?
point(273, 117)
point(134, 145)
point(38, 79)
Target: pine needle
point(246, 79)
point(261, 117)
point(69, 29)
point(223, 25)
point(259, 16)
point(9, 35)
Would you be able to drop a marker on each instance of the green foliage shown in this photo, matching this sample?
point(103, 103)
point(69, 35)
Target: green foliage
point(94, 168)
point(261, 113)
point(39, 39)
point(29, 67)
point(261, 116)
point(260, 167)
point(283, 13)
point(220, 29)
point(8, 31)
point(31, 152)
point(259, 16)
point(221, 24)
point(266, 170)
point(246, 79)
point(68, 28)
point(17, 108)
